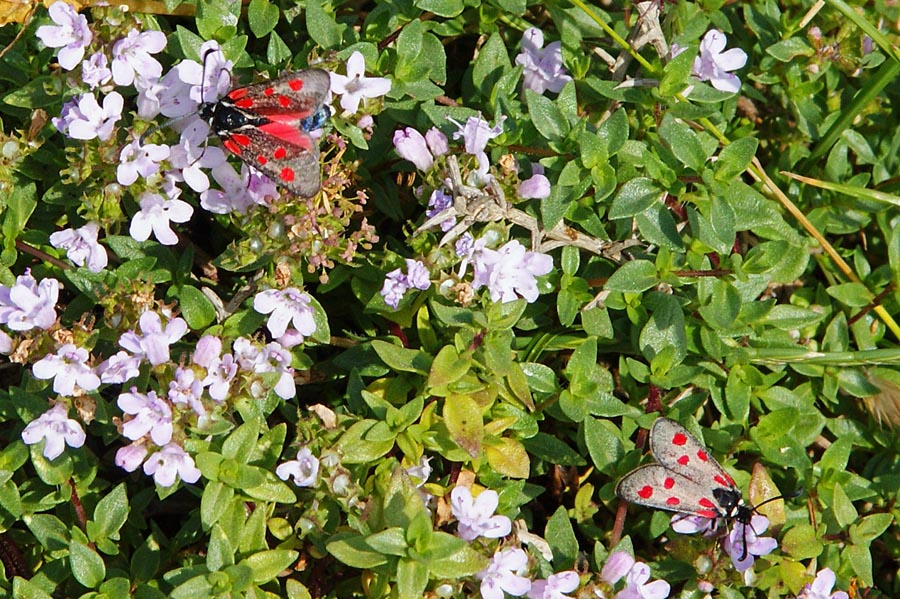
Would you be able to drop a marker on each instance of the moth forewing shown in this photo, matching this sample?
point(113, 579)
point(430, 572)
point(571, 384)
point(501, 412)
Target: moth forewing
point(678, 450)
point(658, 487)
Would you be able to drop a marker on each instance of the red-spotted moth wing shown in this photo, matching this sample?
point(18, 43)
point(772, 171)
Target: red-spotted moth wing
point(686, 478)
point(267, 126)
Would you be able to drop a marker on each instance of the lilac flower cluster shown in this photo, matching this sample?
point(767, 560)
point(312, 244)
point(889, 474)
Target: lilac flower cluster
point(176, 94)
point(396, 284)
point(151, 417)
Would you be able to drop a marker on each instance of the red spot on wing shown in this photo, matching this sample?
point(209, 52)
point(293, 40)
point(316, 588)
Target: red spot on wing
point(241, 139)
point(706, 502)
point(244, 103)
point(288, 133)
point(261, 159)
point(232, 147)
point(645, 492)
point(284, 101)
point(729, 479)
point(296, 84)
point(669, 483)
point(702, 455)
point(269, 91)
point(286, 174)
point(708, 513)
point(679, 439)
point(237, 94)
point(279, 153)
point(683, 460)
point(722, 481)
point(673, 501)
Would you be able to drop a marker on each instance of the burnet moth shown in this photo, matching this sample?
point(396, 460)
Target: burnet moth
point(685, 479)
point(267, 126)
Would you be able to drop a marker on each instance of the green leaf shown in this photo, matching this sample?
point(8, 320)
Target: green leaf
point(356, 449)
point(491, 63)
point(218, 19)
point(220, 553)
point(508, 457)
point(353, 550)
point(87, 567)
point(844, 512)
point(262, 16)
point(553, 450)
point(464, 420)
point(241, 442)
point(561, 537)
point(634, 197)
point(860, 559)
point(724, 305)
point(683, 142)
point(412, 578)
point(389, 542)
point(447, 368)
point(266, 565)
point(25, 589)
point(800, 542)
point(110, 513)
point(855, 295)
point(18, 209)
point(321, 26)
point(196, 308)
point(277, 51)
point(273, 489)
point(216, 498)
point(665, 328)
point(633, 277)
point(735, 158)
point(402, 359)
point(546, 117)
point(603, 443)
point(870, 528)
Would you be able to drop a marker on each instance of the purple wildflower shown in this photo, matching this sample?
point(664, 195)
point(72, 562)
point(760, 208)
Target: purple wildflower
point(130, 457)
point(542, 67)
point(88, 120)
point(139, 160)
point(67, 368)
point(821, 587)
point(556, 586)
point(131, 56)
point(437, 141)
point(151, 415)
point(355, 86)
point(57, 428)
point(29, 304)
point(304, 470)
point(396, 284)
point(714, 62)
point(411, 145)
point(439, 201)
point(154, 340)
point(510, 272)
point(71, 33)
point(81, 246)
point(476, 134)
point(504, 574)
point(155, 217)
point(95, 70)
point(286, 306)
point(169, 462)
point(744, 544)
point(476, 515)
point(119, 368)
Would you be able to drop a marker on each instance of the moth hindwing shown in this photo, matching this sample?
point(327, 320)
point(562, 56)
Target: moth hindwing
point(685, 479)
point(267, 126)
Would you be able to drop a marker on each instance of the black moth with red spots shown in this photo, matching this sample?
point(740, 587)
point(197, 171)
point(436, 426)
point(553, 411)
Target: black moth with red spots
point(267, 126)
point(685, 479)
